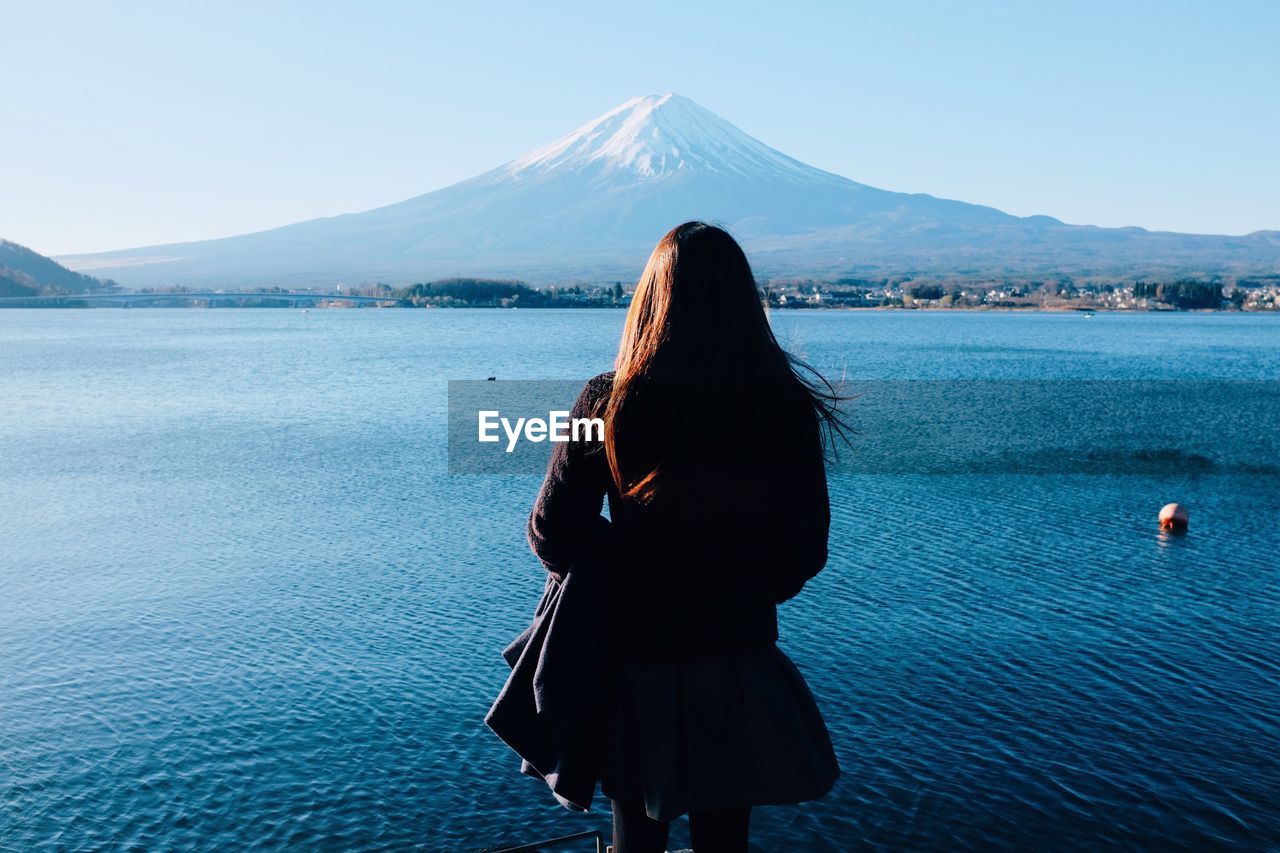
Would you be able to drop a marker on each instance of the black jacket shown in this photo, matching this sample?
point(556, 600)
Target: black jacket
point(549, 709)
point(697, 571)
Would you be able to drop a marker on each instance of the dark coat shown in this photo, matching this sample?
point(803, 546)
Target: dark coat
point(549, 711)
point(692, 575)
point(695, 573)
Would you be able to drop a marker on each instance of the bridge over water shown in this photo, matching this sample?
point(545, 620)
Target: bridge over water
point(203, 297)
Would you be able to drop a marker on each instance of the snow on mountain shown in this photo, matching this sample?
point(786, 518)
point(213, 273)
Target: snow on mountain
point(591, 204)
point(659, 135)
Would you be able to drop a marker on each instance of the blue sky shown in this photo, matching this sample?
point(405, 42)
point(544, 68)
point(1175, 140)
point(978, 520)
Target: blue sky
point(130, 124)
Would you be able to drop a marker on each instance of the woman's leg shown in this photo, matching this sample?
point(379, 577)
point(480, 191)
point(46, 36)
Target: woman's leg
point(634, 831)
point(720, 831)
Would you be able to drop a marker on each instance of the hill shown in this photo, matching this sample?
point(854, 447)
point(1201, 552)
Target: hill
point(27, 273)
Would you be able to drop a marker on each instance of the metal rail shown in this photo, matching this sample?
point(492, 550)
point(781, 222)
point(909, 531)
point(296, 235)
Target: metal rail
point(552, 842)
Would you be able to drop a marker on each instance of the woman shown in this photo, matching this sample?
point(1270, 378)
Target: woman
point(713, 468)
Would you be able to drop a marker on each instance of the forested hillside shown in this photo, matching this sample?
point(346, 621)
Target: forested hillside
point(27, 273)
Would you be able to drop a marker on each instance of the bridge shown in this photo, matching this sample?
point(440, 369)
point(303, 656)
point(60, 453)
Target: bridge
point(189, 298)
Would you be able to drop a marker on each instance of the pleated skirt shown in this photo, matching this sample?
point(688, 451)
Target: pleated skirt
point(715, 734)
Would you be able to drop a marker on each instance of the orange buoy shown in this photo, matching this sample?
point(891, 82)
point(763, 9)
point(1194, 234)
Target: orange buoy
point(1173, 517)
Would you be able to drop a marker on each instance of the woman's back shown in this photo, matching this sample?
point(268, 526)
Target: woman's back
point(711, 463)
point(695, 570)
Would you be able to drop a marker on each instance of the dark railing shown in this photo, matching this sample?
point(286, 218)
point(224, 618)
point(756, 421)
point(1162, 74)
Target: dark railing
point(554, 842)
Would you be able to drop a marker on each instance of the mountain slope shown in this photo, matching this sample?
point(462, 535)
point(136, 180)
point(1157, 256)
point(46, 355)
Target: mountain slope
point(592, 203)
point(27, 273)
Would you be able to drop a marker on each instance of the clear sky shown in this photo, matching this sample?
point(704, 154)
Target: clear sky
point(126, 124)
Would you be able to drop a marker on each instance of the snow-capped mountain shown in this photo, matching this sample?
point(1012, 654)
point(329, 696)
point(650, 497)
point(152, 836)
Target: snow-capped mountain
point(591, 204)
point(658, 136)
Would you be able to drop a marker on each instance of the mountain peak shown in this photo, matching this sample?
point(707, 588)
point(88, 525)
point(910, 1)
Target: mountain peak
point(653, 136)
point(590, 205)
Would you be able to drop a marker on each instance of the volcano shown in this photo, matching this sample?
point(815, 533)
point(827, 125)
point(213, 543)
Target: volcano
point(590, 205)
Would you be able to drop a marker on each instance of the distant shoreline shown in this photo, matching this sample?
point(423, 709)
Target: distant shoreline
point(81, 303)
point(1059, 295)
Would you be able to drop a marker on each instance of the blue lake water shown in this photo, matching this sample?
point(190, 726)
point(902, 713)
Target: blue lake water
point(242, 605)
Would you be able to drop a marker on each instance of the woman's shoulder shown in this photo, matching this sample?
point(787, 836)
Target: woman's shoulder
point(594, 392)
point(602, 380)
point(599, 385)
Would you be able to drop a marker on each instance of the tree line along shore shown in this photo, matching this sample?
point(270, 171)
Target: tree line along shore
point(29, 279)
point(1059, 293)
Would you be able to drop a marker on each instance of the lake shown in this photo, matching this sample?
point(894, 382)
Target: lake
point(243, 605)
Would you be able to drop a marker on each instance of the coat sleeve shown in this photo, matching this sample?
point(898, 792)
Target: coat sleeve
point(566, 527)
point(806, 521)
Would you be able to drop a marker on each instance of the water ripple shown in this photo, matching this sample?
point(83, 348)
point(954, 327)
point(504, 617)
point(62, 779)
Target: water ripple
point(244, 608)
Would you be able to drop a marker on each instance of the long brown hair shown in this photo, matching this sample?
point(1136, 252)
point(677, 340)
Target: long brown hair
point(697, 325)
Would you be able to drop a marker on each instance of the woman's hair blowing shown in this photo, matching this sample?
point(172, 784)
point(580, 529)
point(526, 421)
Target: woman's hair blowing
point(697, 328)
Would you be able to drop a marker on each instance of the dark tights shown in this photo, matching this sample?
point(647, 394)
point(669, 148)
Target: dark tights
point(709, 832)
